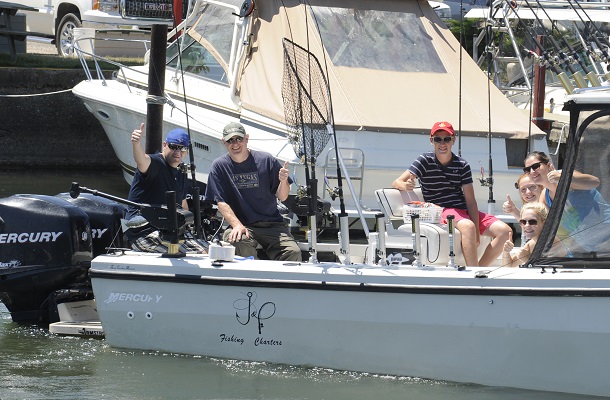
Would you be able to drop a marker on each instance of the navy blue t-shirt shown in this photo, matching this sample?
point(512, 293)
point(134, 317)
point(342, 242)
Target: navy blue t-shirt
point(150, 188)
point(248, 187)
point(442, 184)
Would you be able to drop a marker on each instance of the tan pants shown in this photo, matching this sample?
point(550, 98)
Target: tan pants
point(273, 237)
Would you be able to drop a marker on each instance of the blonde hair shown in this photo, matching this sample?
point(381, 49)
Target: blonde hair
point(537, 207)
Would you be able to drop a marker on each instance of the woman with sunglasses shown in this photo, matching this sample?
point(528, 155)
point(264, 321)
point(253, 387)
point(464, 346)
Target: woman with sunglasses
point(585, 221)
point(532, 218)
point(528, 191)
point(540, 169)
point(446, 180)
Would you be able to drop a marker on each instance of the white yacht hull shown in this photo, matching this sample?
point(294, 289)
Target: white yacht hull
point(511, 327)
point(384, 155)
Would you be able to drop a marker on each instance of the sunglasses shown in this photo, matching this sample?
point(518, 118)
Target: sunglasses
point(533, 167)
point(531, 188)
point(445, 139)
point(236, 139)
point(530, 222)
point(175, 147)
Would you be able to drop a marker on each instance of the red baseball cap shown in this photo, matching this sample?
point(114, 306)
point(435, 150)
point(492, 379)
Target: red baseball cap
point(442, 126)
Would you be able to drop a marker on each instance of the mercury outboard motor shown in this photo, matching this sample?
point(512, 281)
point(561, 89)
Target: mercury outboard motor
point(45, 245)
point(105, 218)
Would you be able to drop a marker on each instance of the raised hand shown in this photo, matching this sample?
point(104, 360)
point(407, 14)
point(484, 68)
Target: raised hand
point(509, 206)
point(284, 172)
point(136, 135)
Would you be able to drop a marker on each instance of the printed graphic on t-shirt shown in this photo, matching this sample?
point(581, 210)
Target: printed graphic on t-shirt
point(246, 181)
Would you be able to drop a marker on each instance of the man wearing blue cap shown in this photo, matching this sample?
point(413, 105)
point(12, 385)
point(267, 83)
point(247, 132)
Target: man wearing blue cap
point(156, 174)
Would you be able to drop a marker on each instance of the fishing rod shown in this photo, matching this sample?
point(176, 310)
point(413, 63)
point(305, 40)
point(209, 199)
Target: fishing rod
point(545, 57)
point(296, 97)
point(460, 79)
point(489, 181)
point(591, 23)
point(565, 59)
point(330, 125)
point(313, 182)
point(195, 190)
point(567, 42)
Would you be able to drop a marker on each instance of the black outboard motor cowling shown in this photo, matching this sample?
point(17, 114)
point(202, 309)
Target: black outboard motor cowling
point(105, 219)
point(45, 245)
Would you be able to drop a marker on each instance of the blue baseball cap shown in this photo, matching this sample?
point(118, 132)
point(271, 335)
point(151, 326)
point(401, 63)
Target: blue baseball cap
point(178, 136)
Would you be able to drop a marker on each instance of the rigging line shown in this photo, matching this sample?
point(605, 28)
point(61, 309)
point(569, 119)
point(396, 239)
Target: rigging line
point(35, 94)
point(570, 48)
point(558, 48)
point(595, 39)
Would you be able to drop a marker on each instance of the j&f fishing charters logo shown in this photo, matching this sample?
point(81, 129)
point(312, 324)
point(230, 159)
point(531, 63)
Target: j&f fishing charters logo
point(249, 311)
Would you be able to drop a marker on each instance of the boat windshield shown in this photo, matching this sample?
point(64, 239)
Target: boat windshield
point(197, 60)
point(206, 48)
point(376, 39)
point(583, 228)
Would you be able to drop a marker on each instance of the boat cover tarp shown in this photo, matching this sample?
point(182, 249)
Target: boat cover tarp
point(411, 72)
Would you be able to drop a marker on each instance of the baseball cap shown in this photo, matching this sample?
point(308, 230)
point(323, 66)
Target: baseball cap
point(442, 126)
point(233, 129)
point(178, 136)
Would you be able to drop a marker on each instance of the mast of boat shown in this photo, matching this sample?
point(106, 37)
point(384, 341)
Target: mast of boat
point(156, 89)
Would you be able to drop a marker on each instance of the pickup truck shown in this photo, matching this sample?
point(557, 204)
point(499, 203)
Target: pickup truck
point(56, 19)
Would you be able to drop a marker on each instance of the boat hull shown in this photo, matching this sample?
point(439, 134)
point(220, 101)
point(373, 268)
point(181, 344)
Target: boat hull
point(517, 328)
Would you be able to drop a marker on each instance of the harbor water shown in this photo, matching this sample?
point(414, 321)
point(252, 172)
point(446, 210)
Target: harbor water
point(35, 364)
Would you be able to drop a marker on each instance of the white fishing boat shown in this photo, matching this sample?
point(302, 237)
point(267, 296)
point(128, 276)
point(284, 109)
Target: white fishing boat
point(543, 326)
point(393, 70)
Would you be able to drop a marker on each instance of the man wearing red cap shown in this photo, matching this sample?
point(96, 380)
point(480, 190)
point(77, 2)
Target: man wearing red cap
point(446, 180)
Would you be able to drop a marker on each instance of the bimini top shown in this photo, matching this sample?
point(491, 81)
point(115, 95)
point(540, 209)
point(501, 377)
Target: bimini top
point(392, 65)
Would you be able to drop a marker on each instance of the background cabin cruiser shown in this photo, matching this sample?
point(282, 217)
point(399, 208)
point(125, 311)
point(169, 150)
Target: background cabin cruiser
point(393, 70)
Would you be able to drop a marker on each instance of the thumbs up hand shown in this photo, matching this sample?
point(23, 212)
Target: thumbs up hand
point(508, 206)
point(136, 135)
point(284, 172)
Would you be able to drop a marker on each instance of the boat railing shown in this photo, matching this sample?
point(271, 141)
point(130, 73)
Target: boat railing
point(85, 56)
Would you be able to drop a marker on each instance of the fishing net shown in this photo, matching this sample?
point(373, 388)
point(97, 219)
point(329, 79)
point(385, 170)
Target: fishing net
point(306, 100)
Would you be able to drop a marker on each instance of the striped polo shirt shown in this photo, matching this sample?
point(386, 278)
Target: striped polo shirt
point(442, 184)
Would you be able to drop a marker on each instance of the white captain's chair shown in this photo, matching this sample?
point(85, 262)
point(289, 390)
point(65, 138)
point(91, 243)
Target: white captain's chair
point(435, 237)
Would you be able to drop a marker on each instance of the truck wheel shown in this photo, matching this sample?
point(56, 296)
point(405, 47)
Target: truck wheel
point(64, 37)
